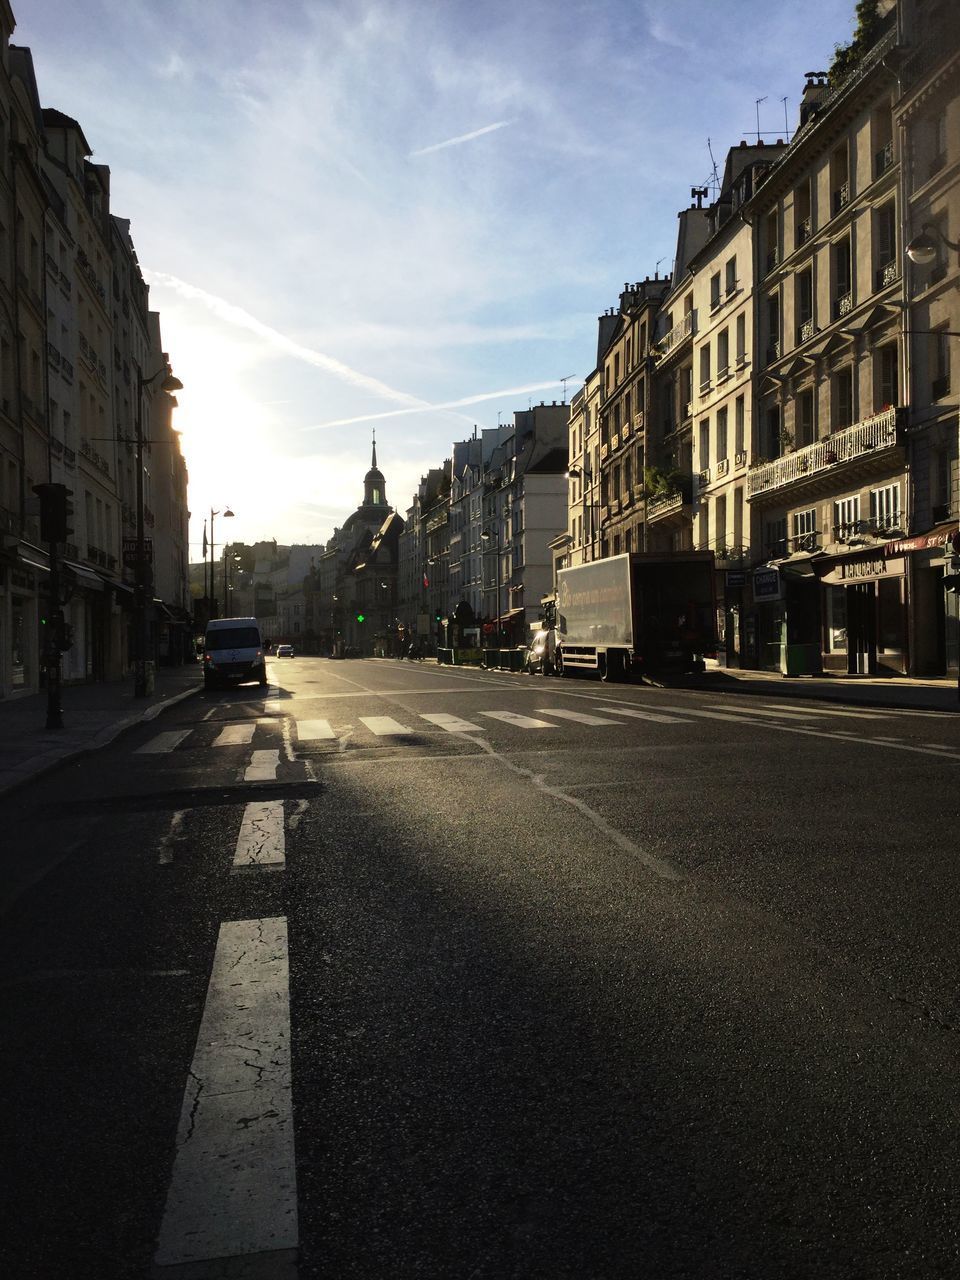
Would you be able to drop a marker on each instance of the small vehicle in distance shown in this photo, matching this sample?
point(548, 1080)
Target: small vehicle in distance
point(285, 651)
point(540, 655)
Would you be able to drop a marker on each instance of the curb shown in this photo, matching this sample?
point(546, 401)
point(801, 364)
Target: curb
point(109, 733)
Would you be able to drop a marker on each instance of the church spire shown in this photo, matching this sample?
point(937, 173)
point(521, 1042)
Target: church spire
point(373, 464)
point(374, 494)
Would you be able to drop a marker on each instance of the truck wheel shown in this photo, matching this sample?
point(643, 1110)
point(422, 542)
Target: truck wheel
point(603, 666)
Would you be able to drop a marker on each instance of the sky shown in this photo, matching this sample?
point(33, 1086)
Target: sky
point(403, 216)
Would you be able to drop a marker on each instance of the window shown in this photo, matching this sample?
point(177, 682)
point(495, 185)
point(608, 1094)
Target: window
point(843, 399)
point(616, 367)
point(741, 340)
point(775, 537)
point(720, 525)
point(705, 368)
point(802, 211)
point(804, 302)
point(738, 520)
point(627, 475)
point(772, 446)
point(804, 419)
point(740, 430)
point(730, 276)
point(723, 354)
point(885, 508)
point(773, 328)
point(704, 453)
point(715, 291)
point(704, 525)
point(842, 280)
point(885, 241)
point(837, 619)
point(882, 131)
point(773, 239)
point(888, 377)
point(939, 365)
point(846, 518)
point(627, 357)
point(804, 532)
point(721, 434)
point(938, 135)
point(839, 179)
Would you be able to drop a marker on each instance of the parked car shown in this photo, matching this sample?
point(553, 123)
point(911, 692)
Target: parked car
point(233, 652)
point(540, 655)
point(285, 651)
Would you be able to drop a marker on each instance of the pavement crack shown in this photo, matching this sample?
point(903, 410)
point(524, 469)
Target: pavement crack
point(195, 1107)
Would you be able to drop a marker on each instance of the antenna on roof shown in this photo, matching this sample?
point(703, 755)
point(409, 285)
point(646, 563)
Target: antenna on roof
point(757, 104)
point(786, 122)
point(714, 176)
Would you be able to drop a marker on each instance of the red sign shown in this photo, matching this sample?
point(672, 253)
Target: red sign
point(922, 542)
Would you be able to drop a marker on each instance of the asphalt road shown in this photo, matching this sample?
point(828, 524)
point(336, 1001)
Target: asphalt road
point(502, 976)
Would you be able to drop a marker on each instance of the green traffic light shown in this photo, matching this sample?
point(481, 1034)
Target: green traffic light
point(361, 617)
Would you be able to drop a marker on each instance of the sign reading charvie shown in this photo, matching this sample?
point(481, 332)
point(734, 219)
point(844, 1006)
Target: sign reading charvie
point(130, 552)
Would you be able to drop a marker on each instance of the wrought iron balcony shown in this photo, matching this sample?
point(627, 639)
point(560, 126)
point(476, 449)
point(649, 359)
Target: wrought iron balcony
point(842, 305)
point(672, 340)
point(773, 259)
point(805, 331)
point(841, 197)
point(804, 230)
point(664, 507)
point(889, 273)
point(878, 432)
point(883, 159)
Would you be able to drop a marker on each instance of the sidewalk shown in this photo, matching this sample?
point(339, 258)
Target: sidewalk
point(903, 692)
point(93, 715)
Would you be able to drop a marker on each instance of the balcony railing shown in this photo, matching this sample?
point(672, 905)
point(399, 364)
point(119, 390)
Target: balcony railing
point(889, 273)
point(773, 351)
point(842, 305)
point(883, 159)
point(773, 259)
point(683, 329)
point(878, 432)
point(841, 197)
point(805, 331)
point(804, 230)
point(663, 505)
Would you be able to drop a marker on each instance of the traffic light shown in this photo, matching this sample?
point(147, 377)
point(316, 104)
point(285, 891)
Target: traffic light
point(361, 617)
point(437, 616)
point(56, 511)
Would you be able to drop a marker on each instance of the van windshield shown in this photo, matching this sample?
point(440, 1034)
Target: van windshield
point(234, 638)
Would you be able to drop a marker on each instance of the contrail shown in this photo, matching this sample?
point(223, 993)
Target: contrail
point(463, 137)
point(244, 320)
point(447, 404)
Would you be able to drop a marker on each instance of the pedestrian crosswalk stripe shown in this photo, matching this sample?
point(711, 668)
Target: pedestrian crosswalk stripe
point(261, 839)
point(263, 766)
point(163, 742)
point(644, 715)
point(235, 735)
point(383, 726)
point(580, 717)
point(792, 714)
point(828, 711)
point(311, 730)
point(518, 721)
point(234, 1187)
point(453, 724)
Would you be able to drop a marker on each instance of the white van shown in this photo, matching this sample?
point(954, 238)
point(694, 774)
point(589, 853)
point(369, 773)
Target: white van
point(233, 652)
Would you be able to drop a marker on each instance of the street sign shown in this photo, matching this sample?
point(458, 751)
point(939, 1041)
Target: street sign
point(130, 552)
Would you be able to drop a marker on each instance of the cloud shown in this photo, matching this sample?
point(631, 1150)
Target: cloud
point(463, 137)
point(447, 404)
point(241, 319)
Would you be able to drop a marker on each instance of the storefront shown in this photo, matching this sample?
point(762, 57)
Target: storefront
point(21, 583)
point(935, 633)
point(864, 610)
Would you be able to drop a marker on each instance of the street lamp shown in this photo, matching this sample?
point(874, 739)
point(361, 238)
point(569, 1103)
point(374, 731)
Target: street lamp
point(143, 573)
point(213, 561)
point(486, 536)
point(576, 473)
point(922, 249)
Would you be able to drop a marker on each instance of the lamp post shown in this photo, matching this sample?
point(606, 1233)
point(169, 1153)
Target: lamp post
point(213, 561)
point(143, 572)
point(575, 473)
point(922, 250)
point(487, 536)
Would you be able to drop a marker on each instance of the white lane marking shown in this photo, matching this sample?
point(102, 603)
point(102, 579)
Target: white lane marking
point(827, 711)
point(263, 766)
point(260, 842)
point(165, 857)
point(937, 746)
point(163, 742)
point(643, 715)
point(234, 1185)
point(518, 721)
point(453, 724)
point(383, 726)
point(779, 715)
point(580, 717)
point(235, 735)
point(311, 730)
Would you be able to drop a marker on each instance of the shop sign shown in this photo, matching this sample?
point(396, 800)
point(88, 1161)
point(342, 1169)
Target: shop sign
point(767, 585)
point(864, 570)
point(922, 542)
point(736, 578)
point(130, 552)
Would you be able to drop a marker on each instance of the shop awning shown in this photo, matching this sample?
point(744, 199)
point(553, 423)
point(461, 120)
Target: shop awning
point(510, 615)
point(85, 577)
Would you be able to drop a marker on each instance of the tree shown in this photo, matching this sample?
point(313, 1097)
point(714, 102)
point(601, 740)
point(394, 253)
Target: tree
point(869, 24)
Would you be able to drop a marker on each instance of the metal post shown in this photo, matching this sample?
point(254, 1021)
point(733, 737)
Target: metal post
point(213, 583)
point(52, 647)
